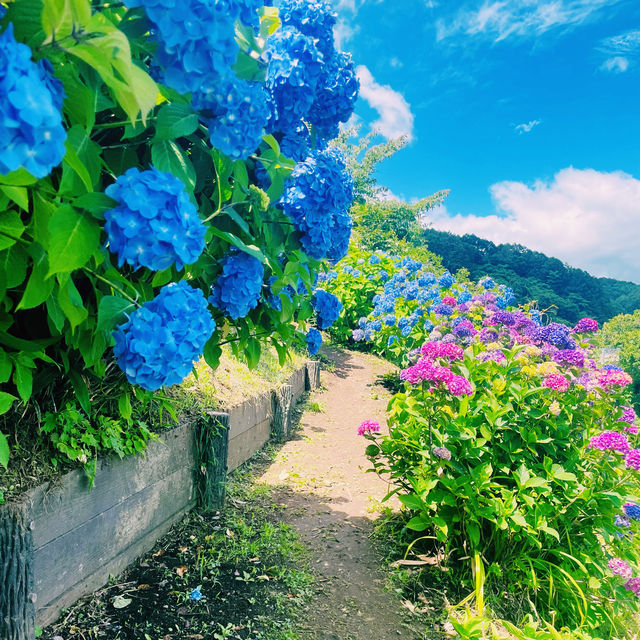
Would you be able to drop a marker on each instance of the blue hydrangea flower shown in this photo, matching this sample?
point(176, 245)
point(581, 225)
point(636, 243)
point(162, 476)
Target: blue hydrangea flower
point(314, 18)
point(464, 297)
point(155, 225)
point(274, 300)
point(336, 95)
point(556, 334)
point(374, 259)
point(159, 343)
point(31, 131)
point(357, 335)
point(196, 38)
point(317, 199)
point(632, 511)
point(487, 283)
point(376, 325)
point(249, 12)
point(442, 309)
point(327, 307)
point(295, 65)
point(236, 113)
point(297, 144)
point(390, 320)
point(392, 339)
point(446, 280)
point(237, 289)
point(314, 341)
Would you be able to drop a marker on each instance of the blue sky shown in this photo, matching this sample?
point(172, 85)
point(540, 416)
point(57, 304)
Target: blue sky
point(529, 111)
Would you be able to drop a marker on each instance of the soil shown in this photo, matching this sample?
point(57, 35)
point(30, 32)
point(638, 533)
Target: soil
point(330, 499)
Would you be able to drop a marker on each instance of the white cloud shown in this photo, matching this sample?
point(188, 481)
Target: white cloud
point(617, 64)
point(396, 63)
point(620, 51)
point(526, 127)
point(501, 19)
point(395, 114)
point(586, 218)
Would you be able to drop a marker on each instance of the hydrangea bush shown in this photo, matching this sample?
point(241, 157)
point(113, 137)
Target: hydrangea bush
point(153, 164)
point(508, 442)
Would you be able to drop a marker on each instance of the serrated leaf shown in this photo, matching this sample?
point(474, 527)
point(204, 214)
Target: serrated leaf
point(73, 239)
point(111, 310)
point(175, 120)
point(11, 228)
point(166, 155)
point(18, 195)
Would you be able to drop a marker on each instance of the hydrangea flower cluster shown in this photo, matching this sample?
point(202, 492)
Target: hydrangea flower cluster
point(236, 113)
point(441, 452)
point(620, 568)
point(155, 225)
point(237, 289)
point(327, 307)
point(368, 426)
point(317, 199)
point(557, 382)
point(586, 325)
point(31, 132)
point(425, 370)
point(313, 340)
point(610, 441)
point(632, 511)
point(158, 344)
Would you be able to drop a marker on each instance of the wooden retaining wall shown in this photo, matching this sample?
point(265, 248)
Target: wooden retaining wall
point(64, 541)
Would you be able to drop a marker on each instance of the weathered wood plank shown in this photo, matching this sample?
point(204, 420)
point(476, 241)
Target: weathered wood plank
point(281, 422)
point(248, 414)
point(47, 614)
point(312, 380)
point(297, 382)
point(16, 574)
point(69, 559)
point(243, 446)
point(65, 507)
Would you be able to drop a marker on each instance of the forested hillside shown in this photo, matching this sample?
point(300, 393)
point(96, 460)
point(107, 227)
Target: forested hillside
point(534, 276)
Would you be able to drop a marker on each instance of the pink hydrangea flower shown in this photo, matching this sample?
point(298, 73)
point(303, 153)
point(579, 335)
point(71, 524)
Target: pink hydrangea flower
point(450, 300)
point(632, 459)
point(610, 441)
point(368, 426)
point(459, 386)
point(631, 428)
point(557, 382)
point(442, 350)
point(620, 568)
point(421, 370)
point(612, 378)
point(633, 584)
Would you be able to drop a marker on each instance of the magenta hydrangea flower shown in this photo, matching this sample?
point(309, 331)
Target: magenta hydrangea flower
point(633, 584)
point(557, 382)
point(620, 568)
point(450, 300)
point(421, 370)
point(459, 386)
point(586, 325)
point(632, 459)
point(611, 378)
point(610, 441)
point(628, 414)
point(368, 426)
point(442, 350)
point(631, 428)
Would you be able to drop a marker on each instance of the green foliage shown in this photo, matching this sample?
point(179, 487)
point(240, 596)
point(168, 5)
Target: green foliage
point(61, 291)
point(622, 334)
point(569, 294)
point(80, 440)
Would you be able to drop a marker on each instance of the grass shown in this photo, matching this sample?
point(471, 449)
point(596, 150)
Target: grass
point(250, 567)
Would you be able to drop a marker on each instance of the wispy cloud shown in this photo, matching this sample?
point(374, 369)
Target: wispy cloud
point(395, 114)
point(584, 217)
point(620, 51)
point(501, 19)
point(526, 127)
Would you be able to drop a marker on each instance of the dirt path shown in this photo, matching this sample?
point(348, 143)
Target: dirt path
point(329, 499)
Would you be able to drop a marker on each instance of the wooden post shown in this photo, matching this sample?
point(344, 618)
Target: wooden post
point(17, 599)
point(212, 448)
point(312, 377)
point(281, 423)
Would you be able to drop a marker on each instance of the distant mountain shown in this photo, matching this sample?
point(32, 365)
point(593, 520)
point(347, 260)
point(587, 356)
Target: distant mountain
point(535, 276)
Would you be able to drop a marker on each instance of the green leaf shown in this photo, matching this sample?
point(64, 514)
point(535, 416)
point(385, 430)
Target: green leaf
point(124, 406)
point(418, 523)
point(71, 158)
point(212, 352)
point(95, 203)
point(6, 366)
point(175, 120)
point(11, 228)
point(4, 450)
point(6, 401)
point(252, 250)
point(23, 379)
point(81, 390)
point(518, 518)
point(13, 262)
point(70, 302)
point(411, 501)
point(19, 195)
point(473, 531)
point(111, 310)
point(18, 178)
point(166, 155)
point(249, 68)
point(252, 352)
point(38, 288)
point(60, 18)
point(160, 278)
point(74, 238)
